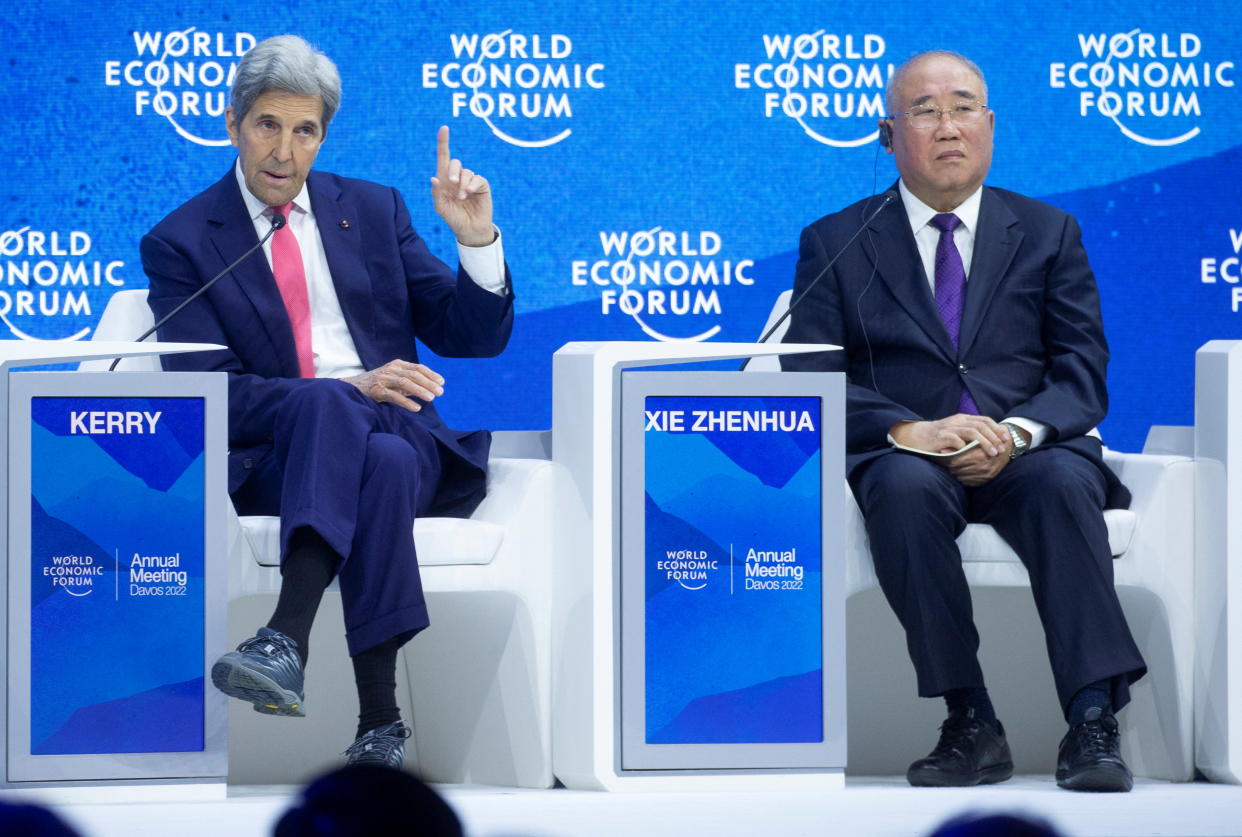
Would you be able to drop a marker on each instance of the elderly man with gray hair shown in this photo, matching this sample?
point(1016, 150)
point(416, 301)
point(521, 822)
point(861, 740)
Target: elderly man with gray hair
point(975, 353)
point(331, 420)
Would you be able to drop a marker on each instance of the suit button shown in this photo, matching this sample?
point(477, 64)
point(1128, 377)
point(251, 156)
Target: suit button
point(963, 368)
point(247, 463)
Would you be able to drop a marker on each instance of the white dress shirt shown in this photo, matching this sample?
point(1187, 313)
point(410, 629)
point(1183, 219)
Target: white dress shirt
point(332, 346)
point(927, 238)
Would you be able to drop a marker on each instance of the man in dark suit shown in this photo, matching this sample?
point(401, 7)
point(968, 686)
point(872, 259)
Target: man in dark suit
point(331, 424)
point(969, 314)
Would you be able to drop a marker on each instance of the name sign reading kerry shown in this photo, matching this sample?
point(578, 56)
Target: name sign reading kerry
point(733, 582)
point(117, 604)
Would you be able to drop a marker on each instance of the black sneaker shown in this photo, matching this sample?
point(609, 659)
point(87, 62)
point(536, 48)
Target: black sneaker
point(264, 670)
point(971, 751)
point(1089, 758)
point(383, 746)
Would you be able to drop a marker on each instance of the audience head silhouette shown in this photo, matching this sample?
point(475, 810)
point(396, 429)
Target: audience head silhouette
point(368, 801)
point(25, 820)
point(995, 825)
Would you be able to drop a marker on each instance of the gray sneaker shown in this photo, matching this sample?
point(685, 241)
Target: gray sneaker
point(264, 670)
point(383, 746)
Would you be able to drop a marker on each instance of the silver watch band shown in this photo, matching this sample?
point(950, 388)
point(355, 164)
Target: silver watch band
point(1020, 445)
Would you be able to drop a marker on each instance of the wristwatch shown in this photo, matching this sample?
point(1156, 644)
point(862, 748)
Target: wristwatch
point(1019, 441)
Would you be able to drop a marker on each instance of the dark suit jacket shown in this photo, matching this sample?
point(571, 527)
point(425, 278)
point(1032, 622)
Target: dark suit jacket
point(1031, 343)
point(391, 290)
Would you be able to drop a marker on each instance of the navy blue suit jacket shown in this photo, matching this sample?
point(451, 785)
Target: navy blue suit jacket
point(1031, 342)
point(392, 290)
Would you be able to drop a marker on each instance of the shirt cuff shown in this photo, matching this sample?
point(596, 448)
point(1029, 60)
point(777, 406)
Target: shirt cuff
point(1037, 429)
point(485, 265)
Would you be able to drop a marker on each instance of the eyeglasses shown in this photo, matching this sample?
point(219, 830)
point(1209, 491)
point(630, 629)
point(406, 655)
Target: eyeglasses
point(927, 118)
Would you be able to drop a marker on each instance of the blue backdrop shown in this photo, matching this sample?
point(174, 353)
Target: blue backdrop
point(725, 127)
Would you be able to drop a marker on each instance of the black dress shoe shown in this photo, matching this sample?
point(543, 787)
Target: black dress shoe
point(1089, 758)
point(971, 751)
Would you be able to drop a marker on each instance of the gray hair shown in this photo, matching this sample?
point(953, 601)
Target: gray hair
point(895, 79)
point(291, 65)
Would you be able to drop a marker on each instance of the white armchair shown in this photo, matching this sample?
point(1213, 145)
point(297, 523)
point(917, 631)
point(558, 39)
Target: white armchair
point(480, 676)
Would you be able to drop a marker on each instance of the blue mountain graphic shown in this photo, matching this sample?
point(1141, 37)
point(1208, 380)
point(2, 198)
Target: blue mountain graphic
point(159, 459)
point(167, 719)
point(786, 709)
point(778, 457)
point(736, 508)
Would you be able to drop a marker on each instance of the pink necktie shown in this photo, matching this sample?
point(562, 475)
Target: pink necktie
point(291, 280)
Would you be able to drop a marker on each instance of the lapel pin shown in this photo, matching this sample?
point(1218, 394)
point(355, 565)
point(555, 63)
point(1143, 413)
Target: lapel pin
point(344, 224)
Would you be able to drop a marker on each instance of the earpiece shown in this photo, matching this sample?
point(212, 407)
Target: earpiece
point(886, 135)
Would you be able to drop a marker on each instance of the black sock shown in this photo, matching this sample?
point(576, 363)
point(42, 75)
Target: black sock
point(976, 698)
point(375, 673)
point(307, 570)
point(1094, 695)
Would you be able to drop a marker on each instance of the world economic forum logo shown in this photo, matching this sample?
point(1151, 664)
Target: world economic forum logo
point(669, 282)
point(524, 87)
point(49, 278)
point(75, 574)
point(183, 78)
point(831, 85)
point(690, 568)
point(1146, 83)
point(1226, 269)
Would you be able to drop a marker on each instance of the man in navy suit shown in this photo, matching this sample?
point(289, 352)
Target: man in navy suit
point(969, 314)
point(331, 423)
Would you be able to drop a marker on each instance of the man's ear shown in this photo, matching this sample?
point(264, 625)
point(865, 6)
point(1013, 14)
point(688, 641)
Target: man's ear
point(230, 124)
point(886, 134)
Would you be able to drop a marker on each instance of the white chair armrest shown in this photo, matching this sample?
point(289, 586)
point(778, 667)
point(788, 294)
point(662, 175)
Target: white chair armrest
point(1163, 495)
point(125, 317)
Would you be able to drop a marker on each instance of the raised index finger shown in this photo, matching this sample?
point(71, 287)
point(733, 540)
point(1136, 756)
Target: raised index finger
point(442, 151)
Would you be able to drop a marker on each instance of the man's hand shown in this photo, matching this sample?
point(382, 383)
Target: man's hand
point(951, 433)
point(400, 382)
point(462, 198)
point(974, 467)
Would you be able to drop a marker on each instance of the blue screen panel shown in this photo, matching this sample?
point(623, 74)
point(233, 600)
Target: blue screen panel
point(117, 608)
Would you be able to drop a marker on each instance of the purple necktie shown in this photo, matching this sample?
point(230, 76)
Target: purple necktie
point(951, 290)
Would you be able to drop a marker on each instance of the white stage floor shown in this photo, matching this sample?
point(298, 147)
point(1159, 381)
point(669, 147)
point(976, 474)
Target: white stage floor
point(867, 806)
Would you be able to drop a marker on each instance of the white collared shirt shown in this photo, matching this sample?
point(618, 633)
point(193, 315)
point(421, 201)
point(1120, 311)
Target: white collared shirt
point(927, 238)
point(332, 346)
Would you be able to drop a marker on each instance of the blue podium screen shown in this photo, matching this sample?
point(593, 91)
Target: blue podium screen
point(733, 583)
point(117, 538)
